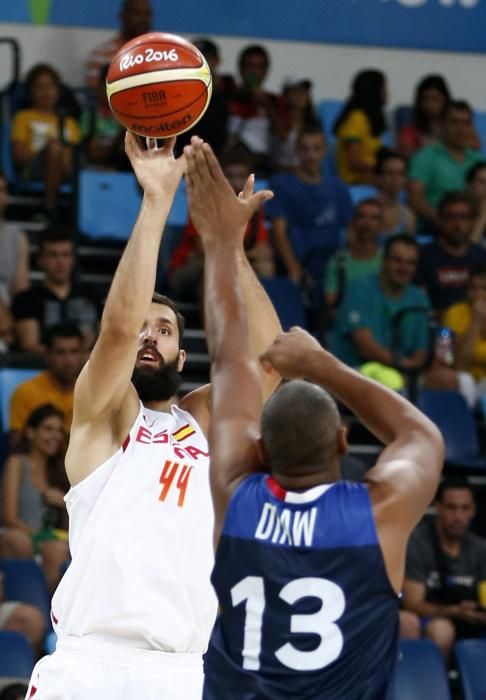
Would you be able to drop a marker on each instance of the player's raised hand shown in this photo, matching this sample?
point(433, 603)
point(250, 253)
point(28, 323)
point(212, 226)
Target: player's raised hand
point(291, 352)
point(156, 169)
point(216, 212)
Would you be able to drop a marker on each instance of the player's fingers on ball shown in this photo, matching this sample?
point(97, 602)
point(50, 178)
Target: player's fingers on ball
point(248, 188)
point(151, 143)
point(169, 144)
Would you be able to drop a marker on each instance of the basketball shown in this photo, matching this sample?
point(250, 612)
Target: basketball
point(158, 85)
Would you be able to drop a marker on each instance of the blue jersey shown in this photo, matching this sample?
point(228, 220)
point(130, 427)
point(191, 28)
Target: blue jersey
point(306, 607)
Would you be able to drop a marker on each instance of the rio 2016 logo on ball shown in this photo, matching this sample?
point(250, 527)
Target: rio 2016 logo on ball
point(158, 85)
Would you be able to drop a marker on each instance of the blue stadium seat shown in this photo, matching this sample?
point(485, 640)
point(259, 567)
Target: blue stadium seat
point(420, 672)
point(9, 379)
point(25, 581)
point(329, 111)
point(285, 297)
point(480, 124)
point(108, 204)
point(16, 657)
point(471, 662)
point(360, 192)
point(450, 412)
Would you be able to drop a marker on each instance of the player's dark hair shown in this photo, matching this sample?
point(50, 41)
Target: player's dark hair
point(299, 426)
point(61, 330)
point(403, 238)
point(166, 301)
point(457, 482)
point(207, 47)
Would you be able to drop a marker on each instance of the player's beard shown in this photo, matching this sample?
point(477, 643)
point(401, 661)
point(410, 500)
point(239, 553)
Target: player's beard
point(158, 384)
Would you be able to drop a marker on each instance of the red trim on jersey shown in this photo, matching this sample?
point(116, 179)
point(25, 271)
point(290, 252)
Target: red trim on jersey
point(276, 489)
point(54, 618)
point(33, 691)
point(126, 442)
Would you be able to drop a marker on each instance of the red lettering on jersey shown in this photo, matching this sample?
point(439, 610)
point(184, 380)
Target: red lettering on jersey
point(169, 470)
point(179, 451)
point(144, 436)
point(195, 452)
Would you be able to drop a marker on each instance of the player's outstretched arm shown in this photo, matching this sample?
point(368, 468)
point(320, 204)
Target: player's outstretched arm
point(104, 382)
point(236, 397)
point(404, 480)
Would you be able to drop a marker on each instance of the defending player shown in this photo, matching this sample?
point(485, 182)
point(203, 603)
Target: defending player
point(135, 609)
point(308, 567)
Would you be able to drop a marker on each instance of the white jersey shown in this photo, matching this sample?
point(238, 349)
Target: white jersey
point(141, 532)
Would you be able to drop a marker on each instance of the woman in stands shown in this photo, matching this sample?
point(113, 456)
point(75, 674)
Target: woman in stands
point(34, 485)
point(360, 126)
point(432, 95)
point(42, 138)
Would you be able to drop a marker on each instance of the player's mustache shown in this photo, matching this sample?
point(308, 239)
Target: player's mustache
point(149, 347)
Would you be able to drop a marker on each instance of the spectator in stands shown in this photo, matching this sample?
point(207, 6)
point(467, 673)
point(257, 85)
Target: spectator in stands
point(441, 167)
point(187, 263)
point(42, 138)
point(298, 113)
point(105, 145)
point(213, 127)
point(14, 252)
point(135, 19)
point(362, 255)
point(476, 187)
point(445, 263)
point(432, 95)
point(254, 112)
point(55, 385)
point(33, 488)
point(391, 180)
point(57, 298)
point(364, 328)
point(23, 618)
point(7, 334)
point(309, 212)
point(360, 126)
point(445, 563)
point(467, 319)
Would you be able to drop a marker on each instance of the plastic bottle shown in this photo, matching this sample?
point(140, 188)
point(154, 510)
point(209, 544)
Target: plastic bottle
point(444, 346)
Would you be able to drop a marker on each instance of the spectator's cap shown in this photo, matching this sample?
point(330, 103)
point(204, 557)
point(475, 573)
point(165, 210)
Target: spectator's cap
point(206, 47)
point(293, 82)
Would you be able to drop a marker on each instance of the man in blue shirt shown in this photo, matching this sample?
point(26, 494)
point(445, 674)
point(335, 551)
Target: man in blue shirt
point(309, 211)
point(372, 323)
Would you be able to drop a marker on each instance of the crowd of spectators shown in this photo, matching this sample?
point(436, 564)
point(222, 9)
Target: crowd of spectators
point(383, 269)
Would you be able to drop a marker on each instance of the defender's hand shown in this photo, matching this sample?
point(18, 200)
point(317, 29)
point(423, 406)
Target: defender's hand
point(216, 212)
point(290, 354)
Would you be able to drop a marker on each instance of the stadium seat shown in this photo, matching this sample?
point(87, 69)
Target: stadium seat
point(108, 204)
point(285, 297)
point(328, 111)
point(450, 412)
point(25, 581)
point(471, 657)
point(16, 656)
point(480, 124)
point(360, 192)
point(9, 379)
point(420, 672)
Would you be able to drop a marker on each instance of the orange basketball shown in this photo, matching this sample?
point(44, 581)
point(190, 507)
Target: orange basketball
point(158, 85)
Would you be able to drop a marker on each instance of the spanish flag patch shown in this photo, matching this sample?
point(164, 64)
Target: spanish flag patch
point(183, 432)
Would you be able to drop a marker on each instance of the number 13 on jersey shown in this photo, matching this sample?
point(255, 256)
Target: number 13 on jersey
point(322, 623)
